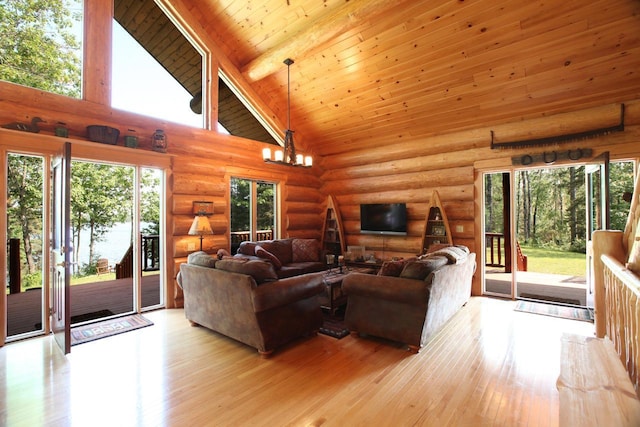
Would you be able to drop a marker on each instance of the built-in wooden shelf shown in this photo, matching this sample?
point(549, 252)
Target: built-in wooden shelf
point(436, 224)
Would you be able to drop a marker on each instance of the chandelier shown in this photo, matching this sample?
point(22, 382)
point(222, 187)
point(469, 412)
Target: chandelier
point(288, 156)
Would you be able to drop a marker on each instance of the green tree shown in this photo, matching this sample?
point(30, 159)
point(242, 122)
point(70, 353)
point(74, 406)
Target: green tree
point(150, 201)
point(101, 196)
point(37, 45)
point(24, 207)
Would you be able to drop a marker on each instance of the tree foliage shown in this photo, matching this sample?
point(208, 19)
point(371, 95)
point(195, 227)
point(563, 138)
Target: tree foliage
point(38, 47)
point(241, 204)
point(24, 208)
point(101, 196)
point(150, 201)
point(550, 204)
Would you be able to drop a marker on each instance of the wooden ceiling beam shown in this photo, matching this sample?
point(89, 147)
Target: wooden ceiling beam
point(345, 18)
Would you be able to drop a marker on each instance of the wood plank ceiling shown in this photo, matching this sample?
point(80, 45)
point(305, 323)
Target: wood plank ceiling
point(372, 72)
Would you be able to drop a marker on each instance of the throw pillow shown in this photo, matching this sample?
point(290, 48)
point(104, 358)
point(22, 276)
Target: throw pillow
point(392, 268)
point(261, 271)
point(247, 248)
point(265, 254)
point(305, 250)
point(223, 253)
point(281, 248)
point(202, 259)
point(421, 269)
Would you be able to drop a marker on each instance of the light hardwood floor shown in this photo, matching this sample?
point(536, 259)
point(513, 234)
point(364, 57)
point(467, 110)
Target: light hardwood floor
point(489, 366)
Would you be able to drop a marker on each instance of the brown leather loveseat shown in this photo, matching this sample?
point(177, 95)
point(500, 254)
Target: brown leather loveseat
point(244, 298)
point(413, 299)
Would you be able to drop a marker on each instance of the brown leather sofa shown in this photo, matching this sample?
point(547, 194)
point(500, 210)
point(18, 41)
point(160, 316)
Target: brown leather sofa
point(413, 303)
point(243, 298)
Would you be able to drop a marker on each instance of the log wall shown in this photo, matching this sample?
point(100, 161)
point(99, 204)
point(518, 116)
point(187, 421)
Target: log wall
point(408, 171)
point(202, 163)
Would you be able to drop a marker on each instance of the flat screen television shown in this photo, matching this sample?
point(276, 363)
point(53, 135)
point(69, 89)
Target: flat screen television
point(383, 218)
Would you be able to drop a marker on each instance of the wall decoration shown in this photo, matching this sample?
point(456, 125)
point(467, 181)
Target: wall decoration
point(576, 136)
point(202, 208)
point(159, 141)
point(61, 130)
point(25, 127)
point(550, 157)
point(131, 140)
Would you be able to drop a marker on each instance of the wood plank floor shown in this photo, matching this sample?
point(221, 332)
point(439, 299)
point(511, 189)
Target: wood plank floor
point(489, 366)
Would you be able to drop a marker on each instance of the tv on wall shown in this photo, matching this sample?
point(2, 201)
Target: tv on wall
point(383, 218)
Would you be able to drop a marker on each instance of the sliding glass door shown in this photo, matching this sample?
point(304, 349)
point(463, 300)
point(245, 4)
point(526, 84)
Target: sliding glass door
point(26, 251)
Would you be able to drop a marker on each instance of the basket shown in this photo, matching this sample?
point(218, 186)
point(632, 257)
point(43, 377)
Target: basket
point(104, 134)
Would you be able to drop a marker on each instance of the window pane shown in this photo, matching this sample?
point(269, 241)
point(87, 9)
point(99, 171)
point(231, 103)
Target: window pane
point(266, 206)
point(249, 198)
point(41, 45)
point(141, 85)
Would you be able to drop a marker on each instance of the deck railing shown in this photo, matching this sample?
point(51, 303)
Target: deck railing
point(238, 237)
point(622, 315)
point(150, 257)
point(494, 243)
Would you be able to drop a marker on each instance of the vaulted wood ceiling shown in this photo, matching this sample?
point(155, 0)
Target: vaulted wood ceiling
point(372, 72)
point(413, 68)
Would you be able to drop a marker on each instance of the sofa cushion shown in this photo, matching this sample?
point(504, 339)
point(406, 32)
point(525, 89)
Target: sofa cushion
point(420, 269)
point(265, 254)
point(281, 248)
point(392, 268)
point(202, 259)
point(298, 268)
point(261, 271)
point(305, 250)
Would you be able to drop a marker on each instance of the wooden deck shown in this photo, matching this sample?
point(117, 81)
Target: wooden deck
point(550, 287)
point(24, 309)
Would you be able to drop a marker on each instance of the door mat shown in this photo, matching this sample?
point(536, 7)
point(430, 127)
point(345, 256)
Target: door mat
point(563, 311)
point(108, 328)
point(334, 327)
point(550, 299)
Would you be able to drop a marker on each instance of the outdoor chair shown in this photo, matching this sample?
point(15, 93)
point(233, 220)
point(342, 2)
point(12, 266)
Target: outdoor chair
point(102, 266)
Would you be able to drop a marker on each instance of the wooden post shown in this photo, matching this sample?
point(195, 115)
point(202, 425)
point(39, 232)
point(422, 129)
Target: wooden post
point(14, 266)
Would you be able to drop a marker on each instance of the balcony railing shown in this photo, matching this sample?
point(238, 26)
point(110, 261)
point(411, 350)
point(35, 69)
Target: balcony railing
point(494, 244)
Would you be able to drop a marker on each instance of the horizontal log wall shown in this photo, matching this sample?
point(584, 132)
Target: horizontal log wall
point(408, 171)
point(202, 164)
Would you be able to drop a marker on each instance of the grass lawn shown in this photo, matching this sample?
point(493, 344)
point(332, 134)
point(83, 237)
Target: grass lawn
point(555, 261)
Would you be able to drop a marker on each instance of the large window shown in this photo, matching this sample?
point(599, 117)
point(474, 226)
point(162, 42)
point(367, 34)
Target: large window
point(253, 211)
point(41, 45)
point(156, 70)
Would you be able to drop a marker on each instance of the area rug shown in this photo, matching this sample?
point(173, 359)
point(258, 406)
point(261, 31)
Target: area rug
point(550, 299)
point(334, 327)
point(108, 328)
point(563, 311)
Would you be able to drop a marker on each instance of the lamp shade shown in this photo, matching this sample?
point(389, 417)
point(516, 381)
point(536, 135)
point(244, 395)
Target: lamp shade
point(200, 226)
